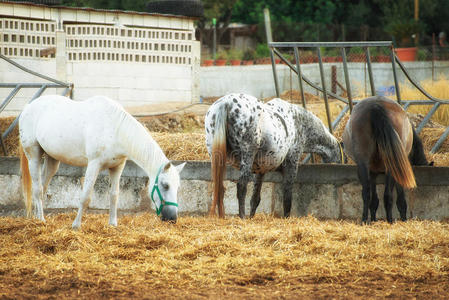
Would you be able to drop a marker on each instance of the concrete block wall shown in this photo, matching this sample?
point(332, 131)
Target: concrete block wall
point(134, 58)
point(324, 190)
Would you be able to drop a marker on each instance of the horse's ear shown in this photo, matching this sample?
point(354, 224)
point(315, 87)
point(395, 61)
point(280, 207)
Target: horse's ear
point(180, 167)
point(166, 167)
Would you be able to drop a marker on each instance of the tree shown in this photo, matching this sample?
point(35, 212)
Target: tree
point(222, 12)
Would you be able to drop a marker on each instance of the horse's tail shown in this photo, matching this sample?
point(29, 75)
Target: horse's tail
point(391, 149)
point(26, 180)
point(219, 159)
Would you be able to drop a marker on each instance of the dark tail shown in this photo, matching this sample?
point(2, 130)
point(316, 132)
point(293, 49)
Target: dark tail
point(391, 148)
point(417, 156)
point(219, 159)
point(26, 180)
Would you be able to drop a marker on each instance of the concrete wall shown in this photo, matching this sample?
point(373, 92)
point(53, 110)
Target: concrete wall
point(326, 191)
point(258, 80)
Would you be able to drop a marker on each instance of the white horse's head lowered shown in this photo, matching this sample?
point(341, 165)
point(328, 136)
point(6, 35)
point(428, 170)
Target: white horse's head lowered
point(164, 192)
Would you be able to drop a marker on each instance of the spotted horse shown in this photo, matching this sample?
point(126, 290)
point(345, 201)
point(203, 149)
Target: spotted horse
point(257, 137)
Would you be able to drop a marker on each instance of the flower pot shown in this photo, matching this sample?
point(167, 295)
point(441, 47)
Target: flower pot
point(406, 54)
point(263, 61)
point(382, 58)
point(207, 62)
point(220, 62)
point(235, 62)
point(247, 62)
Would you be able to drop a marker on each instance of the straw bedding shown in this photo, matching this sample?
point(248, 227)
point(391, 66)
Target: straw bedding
point(200, 257)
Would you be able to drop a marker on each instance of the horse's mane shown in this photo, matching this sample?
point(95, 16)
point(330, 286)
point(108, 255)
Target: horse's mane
point(136, 139)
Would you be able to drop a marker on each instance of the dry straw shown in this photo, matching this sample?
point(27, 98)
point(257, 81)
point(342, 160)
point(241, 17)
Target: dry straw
point(207, 256)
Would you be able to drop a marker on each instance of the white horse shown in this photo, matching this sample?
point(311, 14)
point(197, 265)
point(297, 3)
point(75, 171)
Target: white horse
point(97, 133)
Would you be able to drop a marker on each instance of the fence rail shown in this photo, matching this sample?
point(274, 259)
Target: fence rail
point(16, 87)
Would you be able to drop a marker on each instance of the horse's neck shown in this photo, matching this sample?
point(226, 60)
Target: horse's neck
point(140, 146)
point(318, 139)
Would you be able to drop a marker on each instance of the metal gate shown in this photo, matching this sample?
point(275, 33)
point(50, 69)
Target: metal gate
point(349, 102)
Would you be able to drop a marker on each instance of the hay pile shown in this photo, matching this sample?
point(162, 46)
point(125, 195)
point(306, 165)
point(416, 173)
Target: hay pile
point(203, 257)
point(12, 141)
point(182, 146)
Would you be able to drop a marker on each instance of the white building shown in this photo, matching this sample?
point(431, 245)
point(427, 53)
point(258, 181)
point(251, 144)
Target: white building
point(136, 58)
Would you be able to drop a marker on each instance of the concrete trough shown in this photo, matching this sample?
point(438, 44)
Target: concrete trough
point(324, 190)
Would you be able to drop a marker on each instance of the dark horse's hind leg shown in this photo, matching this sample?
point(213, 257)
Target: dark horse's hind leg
point(401, 203)
point(255, 199)
point(388, 196)
point(363, 174)
point(374, 199)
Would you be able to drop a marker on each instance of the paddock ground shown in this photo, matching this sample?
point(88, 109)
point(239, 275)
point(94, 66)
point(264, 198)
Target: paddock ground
point(202, 257)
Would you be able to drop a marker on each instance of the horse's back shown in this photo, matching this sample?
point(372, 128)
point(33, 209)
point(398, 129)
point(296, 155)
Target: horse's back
point(358, 133)
point(67, 130)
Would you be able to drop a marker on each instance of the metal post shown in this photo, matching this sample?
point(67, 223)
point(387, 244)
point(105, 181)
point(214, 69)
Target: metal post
point(275, 75)
point(395, 76)
point(266, 13)
point(214, 40)
point(323, 84)
point(370, 71)
point(348, 84)
point(298, 68)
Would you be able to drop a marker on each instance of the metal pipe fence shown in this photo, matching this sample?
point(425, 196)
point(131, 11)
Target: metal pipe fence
point(17, 87)
point(276, 49)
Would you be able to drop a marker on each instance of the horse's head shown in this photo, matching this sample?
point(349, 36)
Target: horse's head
point(337, 154)
point(165, 191)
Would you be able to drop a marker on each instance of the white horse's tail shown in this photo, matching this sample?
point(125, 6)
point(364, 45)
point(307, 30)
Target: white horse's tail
point(219, 159)
point(26, 180)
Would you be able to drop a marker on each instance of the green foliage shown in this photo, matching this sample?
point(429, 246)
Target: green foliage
point(235, 54)
point(222, 54)
point(249, 54)
point(403, 30)
point(262, 51)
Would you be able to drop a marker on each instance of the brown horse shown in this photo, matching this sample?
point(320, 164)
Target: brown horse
point(380, 139)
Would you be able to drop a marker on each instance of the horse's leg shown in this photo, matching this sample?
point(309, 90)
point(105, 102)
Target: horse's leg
point(401, 203)
point(374, 198)
point(93, 168)
point(35, 154)
point(51, 166)
point(363, 174)
point(289, 170)
point(114, 174)
point(388, 196)
point(246, 165)
point(255, 199)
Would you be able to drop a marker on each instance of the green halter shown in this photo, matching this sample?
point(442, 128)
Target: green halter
point(156, 189)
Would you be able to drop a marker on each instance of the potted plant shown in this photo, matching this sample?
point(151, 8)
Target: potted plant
point(356, 54)
point(262, 54)
point(403, 31)
point(380, 54)
point(235, 57)
point(221, 59)
point(207, 61)
point(248, 57)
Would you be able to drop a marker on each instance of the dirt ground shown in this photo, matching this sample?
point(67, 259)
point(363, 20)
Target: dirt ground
point(208, 258)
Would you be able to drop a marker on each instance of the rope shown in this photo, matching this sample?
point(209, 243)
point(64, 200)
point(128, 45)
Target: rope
point(169, 112)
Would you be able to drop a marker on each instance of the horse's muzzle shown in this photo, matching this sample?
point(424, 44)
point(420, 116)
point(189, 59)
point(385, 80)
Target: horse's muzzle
point(169, 213)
